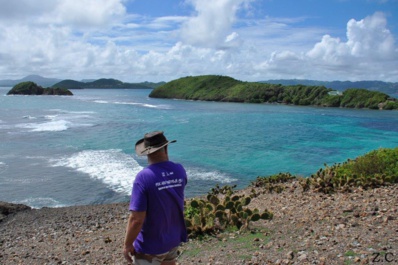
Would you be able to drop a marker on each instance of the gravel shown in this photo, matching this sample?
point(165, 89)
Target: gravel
point(360, 227)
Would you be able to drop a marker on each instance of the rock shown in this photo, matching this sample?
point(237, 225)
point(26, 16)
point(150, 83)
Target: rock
point(302, 257)
point(387, 218)
point(340, 226)
point(349, 209)
point(10, 208)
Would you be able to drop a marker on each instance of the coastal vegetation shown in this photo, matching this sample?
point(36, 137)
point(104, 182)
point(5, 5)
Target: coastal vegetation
point(107, 83)
point(227, 89)
point(389, 88)
point(31, 88)
point(372, 170)
point(225, 209)
point(385, 87)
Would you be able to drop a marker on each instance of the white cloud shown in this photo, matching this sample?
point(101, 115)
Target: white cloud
point(367, 39)
point(370, 37)
point(76, 14)
point(370, 45)
point(97, 38)
point(88, 13)
point(212, 22)
point(25, 9)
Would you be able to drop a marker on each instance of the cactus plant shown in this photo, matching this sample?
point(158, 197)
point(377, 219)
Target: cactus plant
point(221, 210)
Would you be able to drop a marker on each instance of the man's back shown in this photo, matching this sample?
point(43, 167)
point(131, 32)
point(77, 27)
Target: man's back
point(156, 224)
point(159, 190)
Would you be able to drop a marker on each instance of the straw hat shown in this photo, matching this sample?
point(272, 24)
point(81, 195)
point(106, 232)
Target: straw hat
point(151, 142)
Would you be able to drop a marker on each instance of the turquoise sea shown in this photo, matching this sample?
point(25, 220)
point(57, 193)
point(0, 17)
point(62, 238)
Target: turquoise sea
point(61, 151)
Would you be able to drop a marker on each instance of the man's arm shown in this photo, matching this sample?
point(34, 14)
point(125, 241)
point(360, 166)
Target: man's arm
point(134, 225)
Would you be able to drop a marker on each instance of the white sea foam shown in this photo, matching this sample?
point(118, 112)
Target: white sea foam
point(202, 174)
point(50, 117)
point(127, 103)
point(38, 203)
point(157, 106)
point(81, 112)
point(3, 167)
point(29, 117)
point(61, 121)
point(101, 101)
point(28, 180)
point(162, 106)
point(114, 168)
point(52, 126)
point(73, 112)
point(145, 105)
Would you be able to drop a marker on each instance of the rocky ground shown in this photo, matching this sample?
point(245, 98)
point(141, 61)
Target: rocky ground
point(360, 227)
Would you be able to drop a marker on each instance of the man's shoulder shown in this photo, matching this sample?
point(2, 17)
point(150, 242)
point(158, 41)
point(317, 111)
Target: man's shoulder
point(167, 163)
point(177, 165)
point(144, 173)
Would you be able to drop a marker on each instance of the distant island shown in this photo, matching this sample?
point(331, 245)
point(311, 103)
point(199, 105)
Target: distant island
point(39, 80)
point(31, 88)
point(227, 89)
point(104, 83)
point(72, 84)
point(389, 88)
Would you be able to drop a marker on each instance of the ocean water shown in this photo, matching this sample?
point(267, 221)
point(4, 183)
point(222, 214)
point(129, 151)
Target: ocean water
point(61, 151)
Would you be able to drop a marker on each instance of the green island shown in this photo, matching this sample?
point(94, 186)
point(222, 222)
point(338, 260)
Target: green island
point(105, 83)
point(227, 89)
point(31, 88)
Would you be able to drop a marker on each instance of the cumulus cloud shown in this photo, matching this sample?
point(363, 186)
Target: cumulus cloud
point(46, 37)
point(82, 13)
point(22, 9)
point(89, 13)
point(369, 45)
point(367, 39)
point(212, 22)
point(98, 38)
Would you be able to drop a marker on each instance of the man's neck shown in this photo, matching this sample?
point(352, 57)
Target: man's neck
point(161, 155)
point(155, 160)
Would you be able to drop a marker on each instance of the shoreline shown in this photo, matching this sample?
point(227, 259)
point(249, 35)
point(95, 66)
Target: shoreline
point(307, 228)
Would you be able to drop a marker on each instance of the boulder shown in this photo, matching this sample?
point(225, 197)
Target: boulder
point(7, 208)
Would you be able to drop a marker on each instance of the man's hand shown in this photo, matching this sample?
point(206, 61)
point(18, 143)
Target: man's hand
point(128, 253)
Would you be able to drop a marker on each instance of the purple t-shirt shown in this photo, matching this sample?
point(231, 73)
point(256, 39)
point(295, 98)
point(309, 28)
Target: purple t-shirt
point(159, 190)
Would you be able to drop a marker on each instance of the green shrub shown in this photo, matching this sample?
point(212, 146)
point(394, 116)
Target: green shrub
point(391, 105)
point(374, 169)
point(362, 98)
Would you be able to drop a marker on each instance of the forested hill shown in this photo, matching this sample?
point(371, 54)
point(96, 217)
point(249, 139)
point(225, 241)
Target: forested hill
point(385, 87)
point(104, 83)
point(227, 89)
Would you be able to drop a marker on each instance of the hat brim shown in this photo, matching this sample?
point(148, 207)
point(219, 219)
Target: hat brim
point(141, 150)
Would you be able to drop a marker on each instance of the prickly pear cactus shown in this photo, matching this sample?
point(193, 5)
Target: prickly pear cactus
point(221, 209)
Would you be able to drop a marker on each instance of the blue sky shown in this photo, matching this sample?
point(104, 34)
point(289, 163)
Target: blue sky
point(157, 40)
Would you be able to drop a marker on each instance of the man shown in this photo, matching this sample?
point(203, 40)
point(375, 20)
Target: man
point(156, 225)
